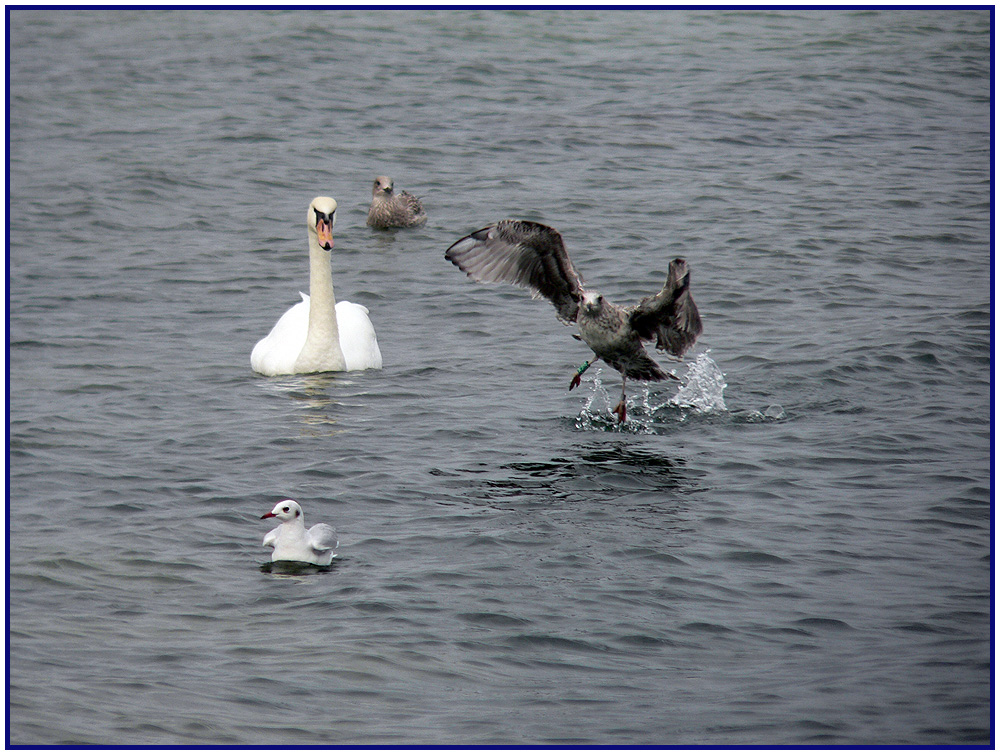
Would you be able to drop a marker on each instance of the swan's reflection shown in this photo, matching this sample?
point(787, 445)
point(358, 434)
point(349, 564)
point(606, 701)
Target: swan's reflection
point(320, 411)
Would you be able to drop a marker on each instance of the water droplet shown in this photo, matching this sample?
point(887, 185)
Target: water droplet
point(774, 411)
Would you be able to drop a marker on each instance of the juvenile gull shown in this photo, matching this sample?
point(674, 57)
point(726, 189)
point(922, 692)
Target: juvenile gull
point(532, 255)
point(390, 210)
point(293, 542)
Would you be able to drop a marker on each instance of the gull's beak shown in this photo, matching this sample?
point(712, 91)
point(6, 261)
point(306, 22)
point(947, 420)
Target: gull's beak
point(324, 232)
point(268, 515)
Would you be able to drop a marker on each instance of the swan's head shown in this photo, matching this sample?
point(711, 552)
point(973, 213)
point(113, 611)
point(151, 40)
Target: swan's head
point(382, 185)
point(322, 216)
point(285, 511)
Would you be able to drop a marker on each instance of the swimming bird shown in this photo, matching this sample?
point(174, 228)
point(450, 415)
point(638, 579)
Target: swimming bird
point(293, 542)
point(319, 334)
point(390, 210)
point(532, 255)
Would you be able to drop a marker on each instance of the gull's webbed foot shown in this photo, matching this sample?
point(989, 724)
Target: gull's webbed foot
point(579, 372)
point(620, 411)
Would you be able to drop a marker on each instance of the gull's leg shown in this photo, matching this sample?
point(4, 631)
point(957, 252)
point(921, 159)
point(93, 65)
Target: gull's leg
point(620, 409)
point(579, 371)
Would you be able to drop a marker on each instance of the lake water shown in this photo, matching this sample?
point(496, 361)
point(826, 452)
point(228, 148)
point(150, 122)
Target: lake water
point(792, 546)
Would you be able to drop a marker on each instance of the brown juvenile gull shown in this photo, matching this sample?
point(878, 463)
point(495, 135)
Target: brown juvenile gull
point(390, 210)
point(532, 255)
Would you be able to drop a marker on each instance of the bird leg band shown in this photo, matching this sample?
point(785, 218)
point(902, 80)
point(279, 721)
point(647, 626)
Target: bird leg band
point(579, 371)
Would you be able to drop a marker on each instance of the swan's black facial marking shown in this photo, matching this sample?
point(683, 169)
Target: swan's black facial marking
point(323, 216)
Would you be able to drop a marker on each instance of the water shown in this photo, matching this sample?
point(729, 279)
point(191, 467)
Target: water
point(790, 546)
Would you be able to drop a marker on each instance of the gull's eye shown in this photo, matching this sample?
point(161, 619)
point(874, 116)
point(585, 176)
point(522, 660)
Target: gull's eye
point(285, 509)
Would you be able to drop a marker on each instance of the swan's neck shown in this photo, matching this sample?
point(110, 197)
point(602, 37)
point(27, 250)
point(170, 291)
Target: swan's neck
point(321, 352)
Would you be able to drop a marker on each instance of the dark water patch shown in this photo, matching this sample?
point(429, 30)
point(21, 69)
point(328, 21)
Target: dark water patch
point(819, 623)
point(704, 627)
point(647, 553)
point(493, 620)
point(295, 568)
point(556, 643)
point(754, 557)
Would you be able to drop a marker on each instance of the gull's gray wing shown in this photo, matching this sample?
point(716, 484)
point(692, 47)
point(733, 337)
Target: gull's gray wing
point(412, 203)
point(523, 253)
point(671, 316)
point(322, 538)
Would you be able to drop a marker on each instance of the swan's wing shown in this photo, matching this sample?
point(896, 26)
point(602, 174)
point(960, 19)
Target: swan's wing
point(523, 253)
point(671, 316)
point(271, 538)
point(357, 337)
point(275, 353)
point(323, 538)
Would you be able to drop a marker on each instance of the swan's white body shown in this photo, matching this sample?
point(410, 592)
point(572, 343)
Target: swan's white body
point(319, 334)
point(278, 352)
point(293, 542)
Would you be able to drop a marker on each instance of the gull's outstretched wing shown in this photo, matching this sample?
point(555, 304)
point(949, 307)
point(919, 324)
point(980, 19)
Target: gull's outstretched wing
point(271, 538)
point(323, 538)
point(671, 316)
point(523, 253)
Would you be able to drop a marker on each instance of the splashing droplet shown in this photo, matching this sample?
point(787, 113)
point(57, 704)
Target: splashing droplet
point(702, 387)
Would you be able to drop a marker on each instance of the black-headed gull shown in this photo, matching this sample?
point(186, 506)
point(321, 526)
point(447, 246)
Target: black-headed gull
point(293, 542)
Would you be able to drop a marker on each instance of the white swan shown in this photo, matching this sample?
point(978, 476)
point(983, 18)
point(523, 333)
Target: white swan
point(319, 334)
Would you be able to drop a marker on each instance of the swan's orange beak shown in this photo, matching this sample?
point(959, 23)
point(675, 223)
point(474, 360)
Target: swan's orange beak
point(324, 231)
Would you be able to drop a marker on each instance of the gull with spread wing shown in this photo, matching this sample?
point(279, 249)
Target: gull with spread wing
point(532, 255)
point(293, 542)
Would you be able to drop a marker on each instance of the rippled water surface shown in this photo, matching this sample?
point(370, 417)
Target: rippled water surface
point(790, 546)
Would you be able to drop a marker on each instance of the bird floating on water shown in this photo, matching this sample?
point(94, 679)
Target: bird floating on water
point(390, 210)
point(532, 255)
point(319, 334)
point(293, 542)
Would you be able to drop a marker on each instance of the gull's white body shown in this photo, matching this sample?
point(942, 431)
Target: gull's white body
point(293, 542)
point(319, 334)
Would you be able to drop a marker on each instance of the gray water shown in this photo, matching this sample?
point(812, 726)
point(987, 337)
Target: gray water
point(792, 546)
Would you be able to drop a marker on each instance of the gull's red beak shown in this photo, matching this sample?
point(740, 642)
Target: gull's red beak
point(268, 515)
point(324, 231)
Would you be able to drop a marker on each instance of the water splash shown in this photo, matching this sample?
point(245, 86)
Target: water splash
point(701, 390)
point(600, 417)
point(702, 387)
